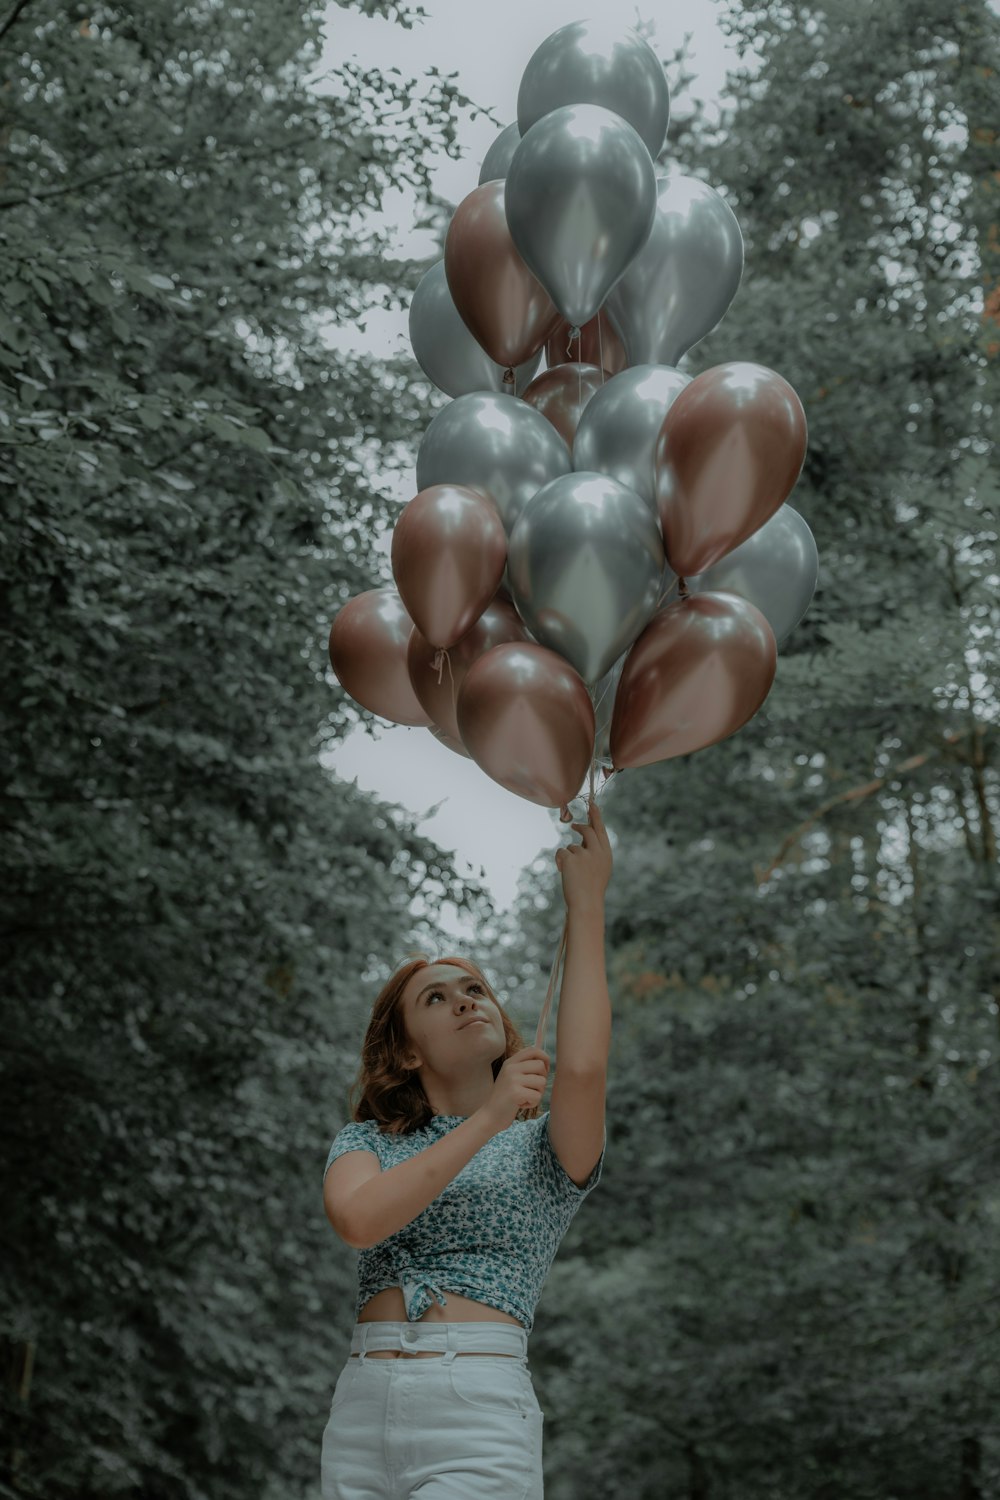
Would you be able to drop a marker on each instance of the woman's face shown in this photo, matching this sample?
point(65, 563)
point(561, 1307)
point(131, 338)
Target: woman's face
point(438, 1004)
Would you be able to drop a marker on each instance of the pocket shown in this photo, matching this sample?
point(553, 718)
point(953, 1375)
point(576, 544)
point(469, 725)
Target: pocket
point(347, 1384)
point(498, 1385)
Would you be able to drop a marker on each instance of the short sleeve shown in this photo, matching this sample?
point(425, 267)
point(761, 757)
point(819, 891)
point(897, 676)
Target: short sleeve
point(556, 1172)
point(359, 1135)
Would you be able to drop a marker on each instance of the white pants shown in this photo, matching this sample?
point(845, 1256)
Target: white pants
point(440, 1429)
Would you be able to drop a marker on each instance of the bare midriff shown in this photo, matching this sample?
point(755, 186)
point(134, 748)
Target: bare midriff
point(388, 1306)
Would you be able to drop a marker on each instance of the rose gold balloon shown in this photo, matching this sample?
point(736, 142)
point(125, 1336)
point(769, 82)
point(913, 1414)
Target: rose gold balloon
point(368, 654)
point(526, 719)
point(436, 683)
point(561, 394)
point(701, 668)
point(504, 306)
point(598, 345)
point(728, 454)
point(446, 739)
point(449, 550)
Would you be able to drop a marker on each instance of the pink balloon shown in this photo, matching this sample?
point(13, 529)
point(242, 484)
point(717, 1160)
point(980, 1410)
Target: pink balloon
point(561, 395)
point(505, 307)
point(449, 550)
point(436, 682)
point(701, 668)
point(727, 457)
point(368, 654)
point(526, 718)
point(446, 739)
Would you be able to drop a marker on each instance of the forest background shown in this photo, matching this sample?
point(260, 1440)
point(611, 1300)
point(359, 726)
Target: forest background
point(785, 1286)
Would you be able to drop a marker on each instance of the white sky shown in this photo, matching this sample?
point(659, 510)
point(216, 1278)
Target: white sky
point(489, 829)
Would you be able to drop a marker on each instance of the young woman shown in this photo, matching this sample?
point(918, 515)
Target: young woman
point(457, 1191)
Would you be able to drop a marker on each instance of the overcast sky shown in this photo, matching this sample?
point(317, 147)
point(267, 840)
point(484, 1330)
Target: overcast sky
point(489, 829)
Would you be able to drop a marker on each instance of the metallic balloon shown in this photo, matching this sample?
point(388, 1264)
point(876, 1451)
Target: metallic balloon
point(562, 394)
point(448, 353)
point(679, 285)
point(598, 344)
point(618, 431)
point(500, 301)
point(598, 62)
point(497, 159)
point(494, 443)
point(436, 678)
point(448, 741)
point(585, 562)
point(700, 670)
point(776, 569)
point(449, 550)
point(526, 719)
point(368, 641)
point(729, 452)
point(580, 197)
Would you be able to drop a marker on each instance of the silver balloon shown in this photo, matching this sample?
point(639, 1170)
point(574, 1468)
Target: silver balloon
point(776, 569)
point(580, 199)
point(497, 159)
point(620, 426)
point(586, 561)
point(449, 354)
point(680, 285)
point(598, 62)
point(496, 442)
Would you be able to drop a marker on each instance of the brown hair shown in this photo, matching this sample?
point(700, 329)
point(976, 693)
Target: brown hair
point(390, 1092)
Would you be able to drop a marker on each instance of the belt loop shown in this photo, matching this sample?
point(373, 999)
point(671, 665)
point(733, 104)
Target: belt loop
point(364, 1340)
point(451, 1333)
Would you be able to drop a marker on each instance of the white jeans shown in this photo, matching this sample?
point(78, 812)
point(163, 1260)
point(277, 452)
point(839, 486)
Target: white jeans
point(440, 1429)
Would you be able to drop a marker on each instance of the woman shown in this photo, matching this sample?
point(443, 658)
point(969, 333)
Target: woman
point(457, 1190)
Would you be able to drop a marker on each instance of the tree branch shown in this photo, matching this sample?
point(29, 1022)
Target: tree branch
point(855, 794)
point(18, 7)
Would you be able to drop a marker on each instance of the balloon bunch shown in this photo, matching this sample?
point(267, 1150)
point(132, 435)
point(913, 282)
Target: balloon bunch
point(599, 565)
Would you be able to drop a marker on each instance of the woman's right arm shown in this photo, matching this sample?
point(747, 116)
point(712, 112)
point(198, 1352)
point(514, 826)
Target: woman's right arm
point(389, 1200)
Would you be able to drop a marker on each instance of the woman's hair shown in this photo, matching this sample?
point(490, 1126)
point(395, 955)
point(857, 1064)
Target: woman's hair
point(390, 1092)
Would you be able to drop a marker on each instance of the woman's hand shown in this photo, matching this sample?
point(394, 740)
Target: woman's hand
point(586, 868)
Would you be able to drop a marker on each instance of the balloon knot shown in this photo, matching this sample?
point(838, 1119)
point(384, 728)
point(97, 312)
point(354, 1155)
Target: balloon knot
point(508, 375)
point(682, 589)
point(438, 663)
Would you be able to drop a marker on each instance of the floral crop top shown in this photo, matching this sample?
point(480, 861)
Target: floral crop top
point(491, 1234)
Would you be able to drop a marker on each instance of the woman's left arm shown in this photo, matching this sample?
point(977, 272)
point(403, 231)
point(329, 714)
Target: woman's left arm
point(583, 1028)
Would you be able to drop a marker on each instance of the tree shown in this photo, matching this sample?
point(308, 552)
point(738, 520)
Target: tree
point(193, 483)
point(791, 1260)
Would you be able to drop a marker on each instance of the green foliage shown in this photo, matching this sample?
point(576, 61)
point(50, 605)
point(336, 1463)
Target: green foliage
point(789, 1269)
point(191, 488)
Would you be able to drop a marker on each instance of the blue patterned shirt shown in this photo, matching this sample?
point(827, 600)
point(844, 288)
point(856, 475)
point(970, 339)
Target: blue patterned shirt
point(491, 1234)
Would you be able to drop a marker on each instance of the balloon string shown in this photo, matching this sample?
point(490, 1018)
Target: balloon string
point(667, 592)
point(441, 660)
point(550, 991)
